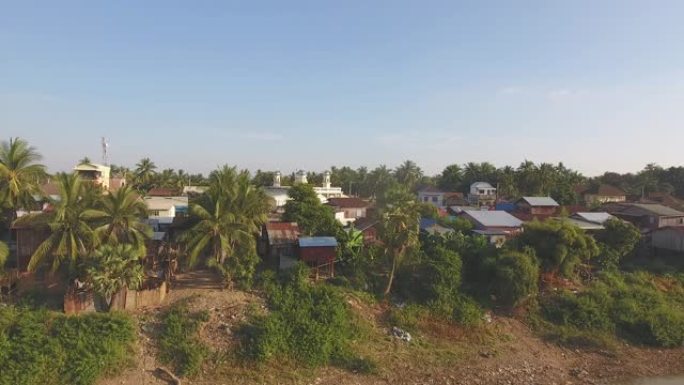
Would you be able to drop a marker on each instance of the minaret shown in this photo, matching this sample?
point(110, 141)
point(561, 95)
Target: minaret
point(326, 179)
point(300, 178)
point(276, 179)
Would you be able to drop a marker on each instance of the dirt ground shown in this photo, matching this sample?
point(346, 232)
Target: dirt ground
point(504, 352)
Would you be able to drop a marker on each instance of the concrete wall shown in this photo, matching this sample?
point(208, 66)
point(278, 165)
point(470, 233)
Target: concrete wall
point(668, 239)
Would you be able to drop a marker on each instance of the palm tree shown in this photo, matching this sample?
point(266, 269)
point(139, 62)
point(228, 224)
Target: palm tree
point(71, 236)
point(118, 218)
point(227, 216)
point(20, 174)
point(115, 268)
point(379, 180)
point(408, 174)
point(4, 253)
point(144, 171)
point(398, 229)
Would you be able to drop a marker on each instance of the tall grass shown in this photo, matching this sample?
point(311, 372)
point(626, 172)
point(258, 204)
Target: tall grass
point(46, 348)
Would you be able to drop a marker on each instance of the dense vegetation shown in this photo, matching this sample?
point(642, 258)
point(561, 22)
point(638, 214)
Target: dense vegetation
point(306, 322)
point(39, 347)
point(639, 307)
point(179, 342)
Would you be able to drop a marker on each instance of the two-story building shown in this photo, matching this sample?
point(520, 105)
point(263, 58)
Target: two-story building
point(348, 210)
point(530, 208)
point(482, 194)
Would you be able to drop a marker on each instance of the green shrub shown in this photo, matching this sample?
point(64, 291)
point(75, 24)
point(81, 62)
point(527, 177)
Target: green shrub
point(630, 305)
point(179, 343)
point(407, 317)
point(515, 276)
point(41, 347)
point(309, 323)
point(466, 311)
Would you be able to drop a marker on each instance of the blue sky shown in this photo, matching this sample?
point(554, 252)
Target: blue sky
point(284, 85)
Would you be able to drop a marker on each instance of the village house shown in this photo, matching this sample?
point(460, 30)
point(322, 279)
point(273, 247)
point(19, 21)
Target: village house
point(646, 216)
point(165, 206)
point(431, 227)
point(587, 221)
point(482, 194)
point(97, 173)
point(432, 195)
point(537, 205)
point(347, 210)
point(163, 192)
point(601, 193)
point(496, 226)
point(368, 227)
point(668, 239)
point(319, 253)
point(279, 240)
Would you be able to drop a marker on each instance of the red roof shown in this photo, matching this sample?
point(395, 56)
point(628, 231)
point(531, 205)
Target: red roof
point(604, 190)
point(347, 202)
point(280, 233)
point(163, 192)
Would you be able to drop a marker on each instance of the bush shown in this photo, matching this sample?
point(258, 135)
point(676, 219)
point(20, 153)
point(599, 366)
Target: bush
point(466, 311)
point(630, 305)
point(179, 343)
point(39, 347)
point(515, 276)
point(309, 323)
point(407, 317)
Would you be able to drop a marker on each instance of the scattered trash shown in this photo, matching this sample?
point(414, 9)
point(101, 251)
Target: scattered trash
point(401, 334)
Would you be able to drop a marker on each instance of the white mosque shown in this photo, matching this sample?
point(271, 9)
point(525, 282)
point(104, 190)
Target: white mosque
point(279, 192)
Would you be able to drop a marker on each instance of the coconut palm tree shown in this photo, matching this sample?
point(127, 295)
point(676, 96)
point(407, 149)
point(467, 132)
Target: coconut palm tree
point(408, 174)
point(71, 236)
point(144, 173)
point(114, 268)
point(118, 219)
point(398, 228)
point(230, 213)
point(20, 174)
point(4, 253)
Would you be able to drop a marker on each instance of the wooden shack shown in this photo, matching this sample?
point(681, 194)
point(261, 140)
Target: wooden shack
point(319, 253)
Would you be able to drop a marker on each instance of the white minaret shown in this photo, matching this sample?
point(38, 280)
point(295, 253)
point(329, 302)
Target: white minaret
point(326, 179)
point(300, 177)
point(105, 155)
point(276, 179)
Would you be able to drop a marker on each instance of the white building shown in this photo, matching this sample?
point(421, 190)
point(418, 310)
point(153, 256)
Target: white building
point(482, 193)
point(165, 206)
point(97, 173)
point(279, 193)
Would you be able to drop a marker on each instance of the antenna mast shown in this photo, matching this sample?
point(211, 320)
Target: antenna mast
point(105, 156)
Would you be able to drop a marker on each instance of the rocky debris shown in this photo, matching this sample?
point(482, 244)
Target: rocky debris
point(401, 334)
point(487, 318)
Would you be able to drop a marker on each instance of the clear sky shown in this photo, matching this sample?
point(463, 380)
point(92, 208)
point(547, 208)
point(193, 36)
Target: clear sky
point(597, 84)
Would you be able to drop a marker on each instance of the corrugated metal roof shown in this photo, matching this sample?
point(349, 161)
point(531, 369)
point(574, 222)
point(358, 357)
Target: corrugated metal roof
point(481, 185)
point(582, 224)
point(317, 242)
point(540, 201)
point(282, 233)
point(656, 209)
point(494, 218)
point(600, 217)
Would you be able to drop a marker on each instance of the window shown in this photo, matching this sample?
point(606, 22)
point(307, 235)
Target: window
point(154, 213)
point(435, 199)
point(425, 199)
